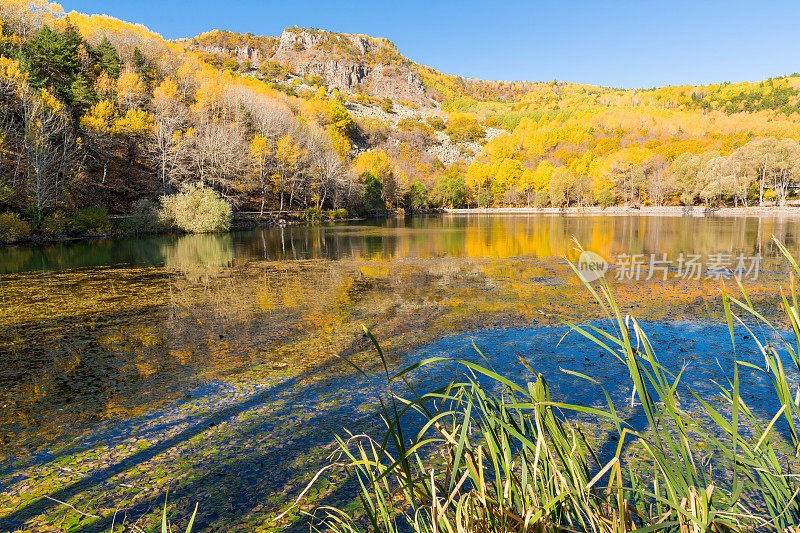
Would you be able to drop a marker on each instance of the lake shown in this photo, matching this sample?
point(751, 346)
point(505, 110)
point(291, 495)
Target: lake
point(211, 365)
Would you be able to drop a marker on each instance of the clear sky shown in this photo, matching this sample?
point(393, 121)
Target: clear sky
point(621, 44)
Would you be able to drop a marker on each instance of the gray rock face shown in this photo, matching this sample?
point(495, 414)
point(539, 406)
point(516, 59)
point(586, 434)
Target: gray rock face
point(320, 54)
point(248, 53)
point(353, 63)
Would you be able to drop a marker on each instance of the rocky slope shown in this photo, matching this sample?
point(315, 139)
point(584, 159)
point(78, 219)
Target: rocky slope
point(352, 63)
point(355, 63)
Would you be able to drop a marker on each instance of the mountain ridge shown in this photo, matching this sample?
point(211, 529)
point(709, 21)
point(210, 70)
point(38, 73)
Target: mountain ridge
point(418, 84)
point(346, 61)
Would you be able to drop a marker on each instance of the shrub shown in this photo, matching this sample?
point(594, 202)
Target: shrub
point(340, 213)
point(198, 209)
point(90, 220)
point(464, 128)
point(13, 228)
point(411, 125)
point(312, 214)
point(145, 217)
point(436, 123)
point(55, 223)
point(387, 105)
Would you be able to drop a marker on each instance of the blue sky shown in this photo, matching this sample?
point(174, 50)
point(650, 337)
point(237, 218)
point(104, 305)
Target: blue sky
point(621, 44)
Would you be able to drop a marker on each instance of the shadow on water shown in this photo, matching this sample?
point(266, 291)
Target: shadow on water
point(243, 479)
point(702, 350)
point(291, 423)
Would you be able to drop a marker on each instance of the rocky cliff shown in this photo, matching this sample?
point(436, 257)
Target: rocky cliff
point(353, 63)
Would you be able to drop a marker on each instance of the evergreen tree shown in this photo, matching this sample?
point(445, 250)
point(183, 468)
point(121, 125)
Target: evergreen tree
point(83, 94)
point(52, 60)
point(372, 191)
point(144, 67)
point(108, 58)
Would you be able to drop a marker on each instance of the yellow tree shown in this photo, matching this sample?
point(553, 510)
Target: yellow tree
point(134, 126)
point(287, 157)
point(46, 142)
point(167, 116)
point(478, 178)
point(26, 16)
point(131, 91)
point(526, 185)
point(105, 86)
point(506, 177)
point(259, 152)
point(377, 163)
point(618, 171)
point(561, 183)
point(99, 124)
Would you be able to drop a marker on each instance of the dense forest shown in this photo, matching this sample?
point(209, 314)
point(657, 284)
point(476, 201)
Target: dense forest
point(100, 112)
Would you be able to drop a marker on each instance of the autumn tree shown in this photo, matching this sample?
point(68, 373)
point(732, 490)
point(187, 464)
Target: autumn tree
point(287, 157)
point(131, 91)
point(260, 152)
point(99, 124)
point(168, 116)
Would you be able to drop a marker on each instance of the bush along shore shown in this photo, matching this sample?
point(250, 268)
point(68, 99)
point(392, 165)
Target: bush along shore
point(495, 455)
point(195, 209)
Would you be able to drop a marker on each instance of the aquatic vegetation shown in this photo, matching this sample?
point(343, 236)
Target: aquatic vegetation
point(496, 455)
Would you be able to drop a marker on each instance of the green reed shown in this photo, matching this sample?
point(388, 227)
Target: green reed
point(508, 457)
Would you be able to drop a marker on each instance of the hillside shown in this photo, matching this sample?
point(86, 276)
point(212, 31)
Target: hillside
point(357, 63)
point(345, 61)
point(567, 142)
point(101, 111)
point(353, 63)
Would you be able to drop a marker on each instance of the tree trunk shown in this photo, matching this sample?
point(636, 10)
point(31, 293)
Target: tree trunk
point(281, 208)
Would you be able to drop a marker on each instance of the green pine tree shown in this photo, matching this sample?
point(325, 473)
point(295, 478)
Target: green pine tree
point(52, 60)
point(83, 94)
point(108, 58)
point(144, 67)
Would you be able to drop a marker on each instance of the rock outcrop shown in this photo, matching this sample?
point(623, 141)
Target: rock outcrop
point(354, 63)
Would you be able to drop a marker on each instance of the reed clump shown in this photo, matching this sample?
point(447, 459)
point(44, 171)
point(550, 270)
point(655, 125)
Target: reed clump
point(494, 455)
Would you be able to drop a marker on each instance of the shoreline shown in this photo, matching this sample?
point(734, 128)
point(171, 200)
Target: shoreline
point(245, 222)
point(678, 211)
point(240, 223)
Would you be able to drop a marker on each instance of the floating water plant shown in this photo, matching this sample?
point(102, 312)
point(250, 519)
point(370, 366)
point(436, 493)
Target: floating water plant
point(492, 454)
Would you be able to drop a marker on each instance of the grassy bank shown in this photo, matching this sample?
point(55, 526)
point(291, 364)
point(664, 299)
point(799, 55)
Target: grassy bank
point(495, 455)
point(103, 226)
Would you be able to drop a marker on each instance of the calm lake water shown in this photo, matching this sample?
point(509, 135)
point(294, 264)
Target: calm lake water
point(210, 364)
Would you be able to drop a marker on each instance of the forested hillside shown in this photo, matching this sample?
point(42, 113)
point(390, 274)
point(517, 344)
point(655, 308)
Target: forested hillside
point(97, 111)
point(728, 143)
